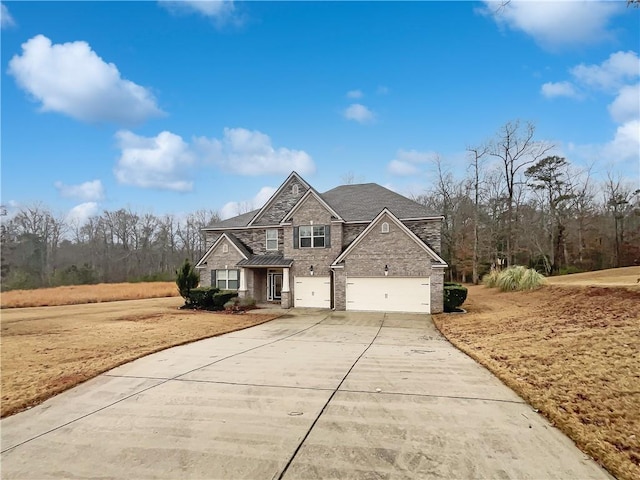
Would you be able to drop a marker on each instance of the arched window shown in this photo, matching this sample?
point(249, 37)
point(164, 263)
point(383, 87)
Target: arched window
point(385, 227)
point(295, 189)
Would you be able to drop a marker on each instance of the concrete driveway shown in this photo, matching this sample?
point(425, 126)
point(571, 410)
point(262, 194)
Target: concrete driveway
point(314, 394)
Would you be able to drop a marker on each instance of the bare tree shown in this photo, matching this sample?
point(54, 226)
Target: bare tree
point(477, 153)
point(516, 148)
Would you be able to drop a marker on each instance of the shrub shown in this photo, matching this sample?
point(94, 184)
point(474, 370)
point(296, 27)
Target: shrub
point(569, 270)
point(221, 298)
point(514, 278)
point(202, 298)
point(454, 296)
point(186, 280)
point(531, 280)
point(509, 279)
point(491, 279)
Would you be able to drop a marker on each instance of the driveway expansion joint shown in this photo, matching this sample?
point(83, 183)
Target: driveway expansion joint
point(428, 395)
point(326, 404)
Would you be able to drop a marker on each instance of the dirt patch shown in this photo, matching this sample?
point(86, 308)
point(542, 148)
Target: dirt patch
point(571, 352)
point(50, 349)
point(79, 294)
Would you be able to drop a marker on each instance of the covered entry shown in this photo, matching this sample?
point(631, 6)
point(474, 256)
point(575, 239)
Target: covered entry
point(312, 292)
point(389, 294)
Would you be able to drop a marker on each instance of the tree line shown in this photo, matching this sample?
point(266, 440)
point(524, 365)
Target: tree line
point(41, 249)
point(519, 204)
point(516, 204)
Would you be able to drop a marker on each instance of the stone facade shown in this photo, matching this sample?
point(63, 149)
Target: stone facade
point(395, 249)
point(429, 231)
point(283, 203)
point(312, 212)
point(218, 259)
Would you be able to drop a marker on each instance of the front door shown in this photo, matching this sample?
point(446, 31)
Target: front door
point(274, 286)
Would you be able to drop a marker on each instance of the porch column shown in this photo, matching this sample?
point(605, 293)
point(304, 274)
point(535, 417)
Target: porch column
point(242, 291)
point(285, 301)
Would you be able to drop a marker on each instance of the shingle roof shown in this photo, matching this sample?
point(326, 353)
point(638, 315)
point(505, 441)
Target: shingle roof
point(238, 244)
point(266, 261)
point(239, 221)
point(365, 201)
point(354, 203)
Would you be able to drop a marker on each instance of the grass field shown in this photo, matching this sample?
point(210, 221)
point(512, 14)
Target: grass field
point(47, 350)
point(78, 294)
point(573, 352)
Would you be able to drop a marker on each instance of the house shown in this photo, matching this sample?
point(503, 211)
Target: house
point(355, 247)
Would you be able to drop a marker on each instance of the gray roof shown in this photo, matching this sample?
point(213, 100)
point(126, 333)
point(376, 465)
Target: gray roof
point(239, 221)
point(239, 244)
point(354, 203)
point(363, 202)
point(266, 261)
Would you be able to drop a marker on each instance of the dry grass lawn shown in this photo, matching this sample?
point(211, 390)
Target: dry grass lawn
point(77, 294)
point(50, 349)
point(628, 277)
point(571, 352)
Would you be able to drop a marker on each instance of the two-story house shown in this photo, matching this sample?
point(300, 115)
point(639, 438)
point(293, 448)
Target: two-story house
point(355, 247)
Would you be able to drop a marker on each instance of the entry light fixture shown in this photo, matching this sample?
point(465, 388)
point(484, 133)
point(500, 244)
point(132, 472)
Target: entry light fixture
point(311, 270)
point(386, 270)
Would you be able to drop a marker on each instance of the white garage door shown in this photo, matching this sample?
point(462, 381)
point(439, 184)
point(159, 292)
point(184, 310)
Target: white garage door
point(383, 294)
point(312, 292)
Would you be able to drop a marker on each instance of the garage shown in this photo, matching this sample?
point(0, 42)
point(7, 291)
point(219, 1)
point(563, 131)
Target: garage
point(312, 292)
point(386, 294)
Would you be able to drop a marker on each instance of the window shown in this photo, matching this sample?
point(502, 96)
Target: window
point(227, 279)
point(272, 239)
point(225, 248)
point(385, 227)
point(312, 236)
point(295, 189)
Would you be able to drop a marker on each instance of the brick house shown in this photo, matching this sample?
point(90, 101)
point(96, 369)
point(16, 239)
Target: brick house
point(355, 247)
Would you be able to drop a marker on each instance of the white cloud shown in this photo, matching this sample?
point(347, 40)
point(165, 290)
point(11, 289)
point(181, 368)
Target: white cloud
point(559, 89)
point(89, 191)
point(70, 78)
point(407, 162)
point(625, 146)
point(556, 23)
point(6, 20)
point(400, 168)
point(247, 152)
point(81, 213)
point(358, 113)
point(618, 69)
point(162, 162)
point(626, 105)
point(231, 209)
point(355, 94)
point(221, 11)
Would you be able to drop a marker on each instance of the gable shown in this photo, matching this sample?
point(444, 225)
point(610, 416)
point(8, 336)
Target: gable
point(225, 246)
point(393, 239)
point(281, 201)
point(311, 207)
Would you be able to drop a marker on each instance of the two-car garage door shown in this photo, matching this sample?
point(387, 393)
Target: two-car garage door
point(389, 294)
point(312, 292)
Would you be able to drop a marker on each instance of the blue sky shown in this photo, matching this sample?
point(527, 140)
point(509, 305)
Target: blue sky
point(170, 107)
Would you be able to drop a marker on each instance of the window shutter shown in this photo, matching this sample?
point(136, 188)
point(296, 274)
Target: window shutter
point(213, 278)
point(327, 236)
point(295, 237)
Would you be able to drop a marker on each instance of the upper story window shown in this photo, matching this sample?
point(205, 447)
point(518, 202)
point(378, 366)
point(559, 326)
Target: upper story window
point(312, 236)
point(385, 227)
point(225, 248)
point(272, 239)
